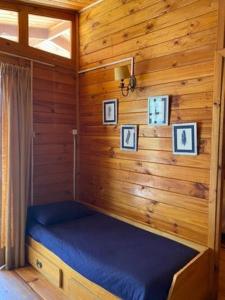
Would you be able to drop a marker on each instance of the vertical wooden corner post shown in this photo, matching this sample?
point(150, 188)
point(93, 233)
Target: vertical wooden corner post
point(216, 168)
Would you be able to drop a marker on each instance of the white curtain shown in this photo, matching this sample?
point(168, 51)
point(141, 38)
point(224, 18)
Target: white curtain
point(15, 150)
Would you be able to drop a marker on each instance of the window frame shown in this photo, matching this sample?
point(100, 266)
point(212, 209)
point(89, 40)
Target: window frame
point(22, 46)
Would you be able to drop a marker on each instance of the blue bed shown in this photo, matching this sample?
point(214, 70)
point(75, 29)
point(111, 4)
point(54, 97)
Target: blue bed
point(131, 263)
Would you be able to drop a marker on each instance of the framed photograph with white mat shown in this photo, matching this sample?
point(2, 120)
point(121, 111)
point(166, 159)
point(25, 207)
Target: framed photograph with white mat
point(185, 139)
point(128, 137)
point(109, 111)
point(158, 110)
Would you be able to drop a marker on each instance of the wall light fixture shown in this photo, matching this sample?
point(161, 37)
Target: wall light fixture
point(121, 73)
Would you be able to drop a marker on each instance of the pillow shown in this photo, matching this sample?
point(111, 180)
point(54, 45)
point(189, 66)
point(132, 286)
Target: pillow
point(58, 212)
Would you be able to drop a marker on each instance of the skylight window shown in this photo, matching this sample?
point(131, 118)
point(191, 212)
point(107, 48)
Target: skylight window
point(50, 35)
point(9, 28)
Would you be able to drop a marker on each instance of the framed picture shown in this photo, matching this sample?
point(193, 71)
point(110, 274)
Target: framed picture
point(110, 111)
point(158, 110)
point(185, 139)
point(128, 137)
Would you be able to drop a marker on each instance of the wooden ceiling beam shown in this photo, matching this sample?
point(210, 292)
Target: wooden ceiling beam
point(62, 43)
point(34, 32)
point(54, 33)
point(9, 29)
point(57, 30)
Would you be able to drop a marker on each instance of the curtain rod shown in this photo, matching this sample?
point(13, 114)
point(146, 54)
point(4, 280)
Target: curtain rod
point(131, 59)
point(26, 58)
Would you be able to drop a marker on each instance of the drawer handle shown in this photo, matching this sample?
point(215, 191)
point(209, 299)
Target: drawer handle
point(38, 264)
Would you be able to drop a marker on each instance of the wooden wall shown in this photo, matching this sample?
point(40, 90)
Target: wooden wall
point(173, 43)
point(54, 95)
point(221, 295)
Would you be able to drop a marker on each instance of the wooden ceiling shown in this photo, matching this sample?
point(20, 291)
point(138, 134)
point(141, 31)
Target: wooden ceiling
point(67, 4)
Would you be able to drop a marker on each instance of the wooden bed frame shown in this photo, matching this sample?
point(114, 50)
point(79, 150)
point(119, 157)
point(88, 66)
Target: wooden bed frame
point(191, 282)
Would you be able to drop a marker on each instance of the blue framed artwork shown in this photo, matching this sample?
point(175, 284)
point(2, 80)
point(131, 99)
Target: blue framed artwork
point(109, 111)
point(128, 137)
point(158, 110)
point(185, 139)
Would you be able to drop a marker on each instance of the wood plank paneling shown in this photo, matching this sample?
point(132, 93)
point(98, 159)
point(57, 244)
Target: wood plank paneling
point(221, 293)
point(54, 118)
point(173, 43)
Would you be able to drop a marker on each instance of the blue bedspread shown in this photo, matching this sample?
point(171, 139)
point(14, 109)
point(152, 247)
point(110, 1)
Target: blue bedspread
point(129, 262)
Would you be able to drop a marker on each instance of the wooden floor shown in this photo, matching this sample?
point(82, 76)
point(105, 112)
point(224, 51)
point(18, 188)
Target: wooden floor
point(27, 284)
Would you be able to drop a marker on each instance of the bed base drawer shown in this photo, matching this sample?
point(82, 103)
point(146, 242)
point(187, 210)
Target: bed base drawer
point(77, 291)
point(44, 266)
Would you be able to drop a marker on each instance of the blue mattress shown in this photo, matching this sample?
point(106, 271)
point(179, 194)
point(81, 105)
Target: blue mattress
point(129, 262)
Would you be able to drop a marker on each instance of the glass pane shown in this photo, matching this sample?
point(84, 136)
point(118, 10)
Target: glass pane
point(50, 34)
point(9, 25)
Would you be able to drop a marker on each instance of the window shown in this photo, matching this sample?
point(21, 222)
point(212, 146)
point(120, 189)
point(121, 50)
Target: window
point(9, 28)
point(50, 34)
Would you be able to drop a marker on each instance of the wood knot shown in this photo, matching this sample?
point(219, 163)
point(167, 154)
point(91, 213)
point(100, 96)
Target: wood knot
point(139, 163)
point(175, 225)
point(111, 153)
point(95, 24)
point(154, 202)
point(174, 161)
point(141, 88)
point(149, 26)
point(155, 134)
point(146, 171)
point(149, 219)
point(201, 190)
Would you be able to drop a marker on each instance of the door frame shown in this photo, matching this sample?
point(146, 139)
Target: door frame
point(217, 157)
